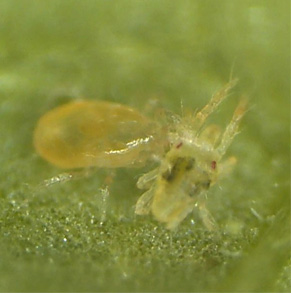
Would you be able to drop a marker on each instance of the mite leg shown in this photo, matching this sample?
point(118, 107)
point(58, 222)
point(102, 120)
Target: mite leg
point(146, 180)
point(206, 217)
point(104, 191)
point(177, 215)
point(203, 114)
point(65, 177)
point(232, 128)
point(144, 203)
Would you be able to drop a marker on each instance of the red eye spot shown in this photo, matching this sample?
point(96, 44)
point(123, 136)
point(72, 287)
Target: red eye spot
point(179, 145)
point(213, 164)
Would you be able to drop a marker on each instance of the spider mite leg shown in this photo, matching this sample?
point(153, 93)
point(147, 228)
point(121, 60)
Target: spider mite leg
point(143, 205)
point(218, 97)
point(65, 177)
point(232, 128)
point(205, 215)
point(104, 191)
point(145, 181)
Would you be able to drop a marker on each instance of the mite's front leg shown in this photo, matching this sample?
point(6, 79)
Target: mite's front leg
point(209, 108)
point(232, 128)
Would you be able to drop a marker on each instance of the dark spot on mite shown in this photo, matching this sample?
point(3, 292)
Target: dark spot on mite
point(213, 164)
point(192, 191)
point(179, 145)
point(206, 184)
point(168, 175)
point(181, 164)
point(198, 188)
point(190, 163)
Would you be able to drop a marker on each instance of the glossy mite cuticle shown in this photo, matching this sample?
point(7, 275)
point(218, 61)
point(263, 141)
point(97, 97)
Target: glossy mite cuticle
point(94, 133)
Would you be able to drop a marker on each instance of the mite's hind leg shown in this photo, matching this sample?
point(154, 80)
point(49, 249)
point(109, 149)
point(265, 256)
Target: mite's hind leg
point(232, 128)
point(218, 97)
point(104, 193)
point(65, 177)
point(205, 215)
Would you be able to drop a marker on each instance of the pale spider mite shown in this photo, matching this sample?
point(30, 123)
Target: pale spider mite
point(103, 134)
point(91, 133)
point(190, 166)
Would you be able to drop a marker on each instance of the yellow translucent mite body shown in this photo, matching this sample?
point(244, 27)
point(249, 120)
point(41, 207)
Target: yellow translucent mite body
point(104, 134)
point(95, 133)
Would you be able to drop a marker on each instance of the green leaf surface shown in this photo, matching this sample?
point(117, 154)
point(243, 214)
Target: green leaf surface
point(67, 237)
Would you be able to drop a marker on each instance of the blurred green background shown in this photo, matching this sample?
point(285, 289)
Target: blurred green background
point(51, 52)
